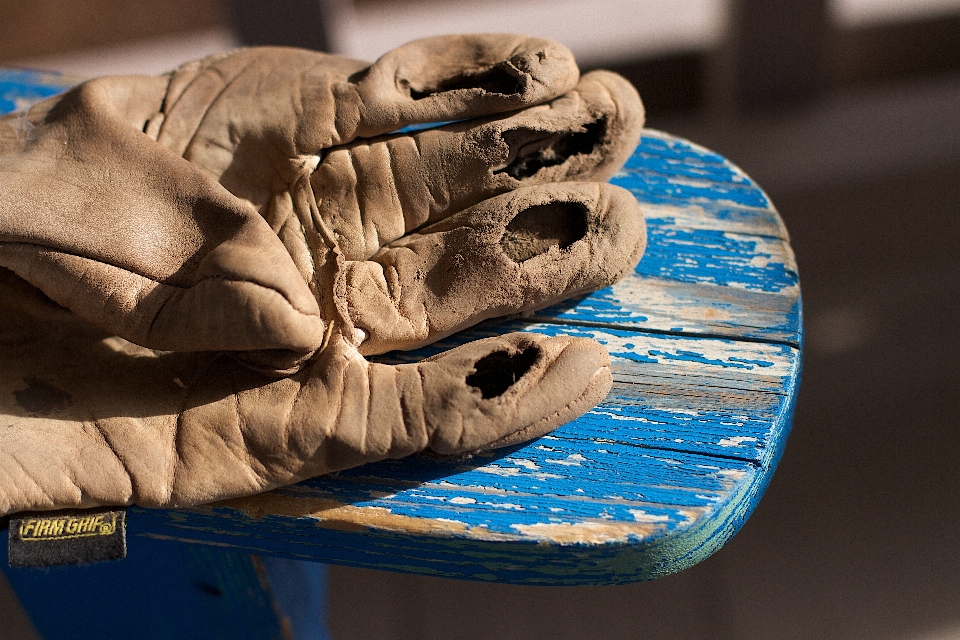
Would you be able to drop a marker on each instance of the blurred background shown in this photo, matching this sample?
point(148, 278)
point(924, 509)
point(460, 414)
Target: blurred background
point(847, 112)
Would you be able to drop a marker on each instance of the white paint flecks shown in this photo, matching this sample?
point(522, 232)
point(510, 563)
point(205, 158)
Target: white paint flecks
point(640, 515)
point(497, 470)
point(573, 460)
point(732, 474)
point(620, 416)
point(698, 355)
point(751, 221)
point(590, 532)
point(503, 505)
point(514, 471)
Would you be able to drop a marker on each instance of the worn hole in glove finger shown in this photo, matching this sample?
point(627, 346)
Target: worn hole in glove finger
point(496, 79)
point(549, 151)
point(533, 231)
point(496, 372)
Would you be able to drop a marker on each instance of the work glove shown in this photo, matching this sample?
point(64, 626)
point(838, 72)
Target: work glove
point(197, 264)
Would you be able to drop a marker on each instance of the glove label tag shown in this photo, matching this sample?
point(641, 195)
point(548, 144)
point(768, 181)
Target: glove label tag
point(67, 537)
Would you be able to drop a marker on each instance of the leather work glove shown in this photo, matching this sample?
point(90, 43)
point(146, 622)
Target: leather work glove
point(196, 265)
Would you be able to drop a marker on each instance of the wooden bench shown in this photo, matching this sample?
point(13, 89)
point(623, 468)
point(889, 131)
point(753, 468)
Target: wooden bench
point(705, 340)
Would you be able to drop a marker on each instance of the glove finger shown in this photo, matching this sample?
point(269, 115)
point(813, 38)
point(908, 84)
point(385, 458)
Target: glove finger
point(516, 252)
point(371, 193)
point(485, 394)
point(227, 307)
point(501, 391)
point(179, 430)
point(302, 102)
point(460, 76)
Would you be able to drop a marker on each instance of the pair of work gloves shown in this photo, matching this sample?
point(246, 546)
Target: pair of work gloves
point(194, 266)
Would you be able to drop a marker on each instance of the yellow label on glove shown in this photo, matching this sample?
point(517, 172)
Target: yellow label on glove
point(67, 527)
point(72, 536)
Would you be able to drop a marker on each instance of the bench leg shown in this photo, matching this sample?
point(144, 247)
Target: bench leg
point(169, 589)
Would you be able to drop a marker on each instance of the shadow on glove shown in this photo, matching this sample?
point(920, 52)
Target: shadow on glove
point(228, 247)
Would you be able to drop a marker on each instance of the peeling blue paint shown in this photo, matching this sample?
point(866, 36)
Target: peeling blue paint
point(22, 86)
point(677, 455)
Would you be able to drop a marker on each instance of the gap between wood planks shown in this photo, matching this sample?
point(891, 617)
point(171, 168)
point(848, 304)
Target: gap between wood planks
point(661, 332)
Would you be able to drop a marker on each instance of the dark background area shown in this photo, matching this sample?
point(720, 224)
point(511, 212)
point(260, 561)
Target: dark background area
point(855, 135)
point(858, 535)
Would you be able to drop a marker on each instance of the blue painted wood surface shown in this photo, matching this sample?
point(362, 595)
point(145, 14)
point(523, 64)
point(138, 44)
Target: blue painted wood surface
point(705, 338)
point(169, 590)
point(20, 88)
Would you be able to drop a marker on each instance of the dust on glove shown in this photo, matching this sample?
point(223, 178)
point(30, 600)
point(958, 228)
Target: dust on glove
point(197, 264)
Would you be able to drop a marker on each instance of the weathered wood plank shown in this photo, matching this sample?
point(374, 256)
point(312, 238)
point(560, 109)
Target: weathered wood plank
point(676, 171)
point(717, 262)
point(671, 460)
point(672, 306)
point(712, 396)
point(600, 550)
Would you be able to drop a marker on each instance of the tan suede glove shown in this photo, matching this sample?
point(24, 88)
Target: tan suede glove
point(231, 239)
